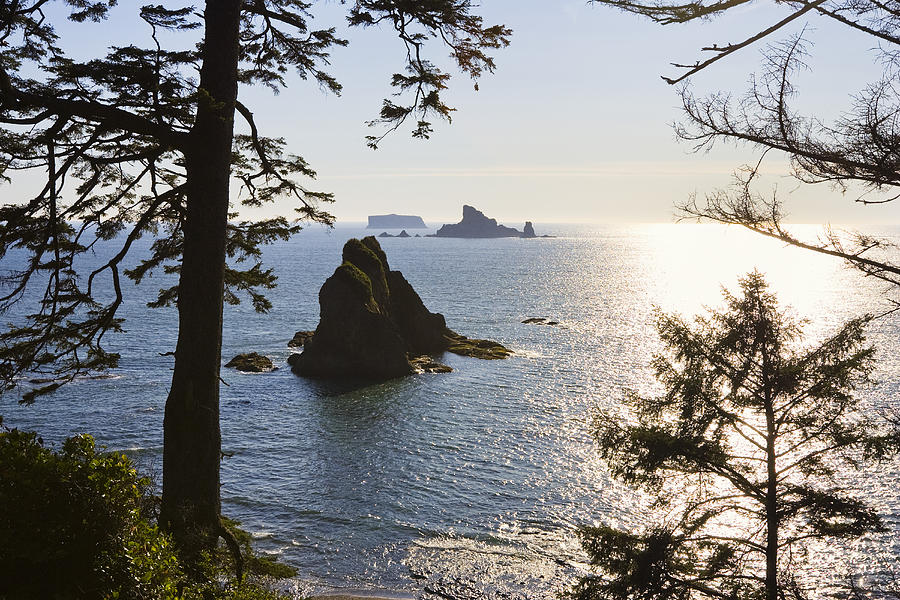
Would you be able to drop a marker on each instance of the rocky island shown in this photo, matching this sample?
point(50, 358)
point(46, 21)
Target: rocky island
point(402, 234)
point(396, 222)
point(373, 324)
point(475, 224)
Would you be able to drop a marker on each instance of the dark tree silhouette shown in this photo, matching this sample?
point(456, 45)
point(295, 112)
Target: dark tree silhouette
point(741, 448)
point(859, 150)
point(141, 141)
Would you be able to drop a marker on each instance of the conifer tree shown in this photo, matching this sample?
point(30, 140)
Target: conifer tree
point(741, 450)
point(142, 141)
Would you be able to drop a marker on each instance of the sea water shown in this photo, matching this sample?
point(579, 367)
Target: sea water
point(472, 483)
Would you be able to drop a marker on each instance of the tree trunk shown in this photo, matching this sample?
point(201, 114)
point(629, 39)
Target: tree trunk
point(191, 433)
point(771, 472)
point(771, 513)
point(769, 393)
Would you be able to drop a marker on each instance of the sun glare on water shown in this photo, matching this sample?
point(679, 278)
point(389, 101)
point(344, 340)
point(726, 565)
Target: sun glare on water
point(691, 264)
point(687, 266)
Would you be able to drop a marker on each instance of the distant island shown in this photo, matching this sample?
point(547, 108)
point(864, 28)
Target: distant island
point(475, 224)
point(396, 222)
point(402, 234)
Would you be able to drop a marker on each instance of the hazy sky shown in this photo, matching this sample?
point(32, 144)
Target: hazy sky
point(575, 125)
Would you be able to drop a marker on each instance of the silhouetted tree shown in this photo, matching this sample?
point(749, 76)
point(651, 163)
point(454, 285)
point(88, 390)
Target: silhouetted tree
point(141, 141)
point(861, 147)
point(741, 449)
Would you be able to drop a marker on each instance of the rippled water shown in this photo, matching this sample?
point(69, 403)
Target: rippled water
point(471, 482)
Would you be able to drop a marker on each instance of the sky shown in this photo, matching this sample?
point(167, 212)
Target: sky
point(575, 125)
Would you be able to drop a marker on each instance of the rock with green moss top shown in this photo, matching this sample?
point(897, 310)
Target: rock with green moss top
point(300, 339)
point(356, 336)
point(427, 364)
point(372, 322)
point(251, 362)
point(485, 349)
point(369, 259)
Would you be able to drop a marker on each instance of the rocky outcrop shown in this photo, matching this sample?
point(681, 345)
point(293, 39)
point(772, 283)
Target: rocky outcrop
point(300, 338)
point(528, 232)
point(402, 234)
point(485, 349)
point(251, 362)
point(372, 323)
point(427, 364)
point(475, 224)
point(395, 222)
point(539, 321)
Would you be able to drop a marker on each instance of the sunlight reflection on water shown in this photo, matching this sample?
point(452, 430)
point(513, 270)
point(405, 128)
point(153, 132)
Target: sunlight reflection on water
point(474, 480)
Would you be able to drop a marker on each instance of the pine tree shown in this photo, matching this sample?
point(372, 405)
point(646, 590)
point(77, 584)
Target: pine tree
point(141, 141)
point(741, 449)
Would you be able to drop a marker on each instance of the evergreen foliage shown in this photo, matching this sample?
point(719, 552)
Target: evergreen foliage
point(141, 141)
point(79, 523)
point(73, 524)
point(111, 135)
point(741, 450)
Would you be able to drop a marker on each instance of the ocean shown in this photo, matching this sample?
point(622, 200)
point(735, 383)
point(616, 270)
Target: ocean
point(471, 483)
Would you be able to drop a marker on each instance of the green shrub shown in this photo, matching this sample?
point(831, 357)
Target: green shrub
point(256, 567)
point(73, 524)
point(79, 524)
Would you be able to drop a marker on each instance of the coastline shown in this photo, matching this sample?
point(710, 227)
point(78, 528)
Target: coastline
point(358, 593)
point(357, 596)
point(346, 597)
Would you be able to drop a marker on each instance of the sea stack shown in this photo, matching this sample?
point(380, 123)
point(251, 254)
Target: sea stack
point(373, 324)
point(528, 232)
point(475, 224)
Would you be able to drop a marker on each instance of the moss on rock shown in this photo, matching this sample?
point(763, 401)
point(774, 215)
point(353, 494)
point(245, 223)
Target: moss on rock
point(368, 257)
point(300, 339)
point(373, 321)
point(427, 364)
point(251, 362)
point(484, 349)
point(358, 280)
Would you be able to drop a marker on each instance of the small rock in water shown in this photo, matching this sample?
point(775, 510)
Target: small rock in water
point(540, 321)
point(426, 364)
point(300, 338)
point(535, 320)
point(484, 349)
point(251, 362)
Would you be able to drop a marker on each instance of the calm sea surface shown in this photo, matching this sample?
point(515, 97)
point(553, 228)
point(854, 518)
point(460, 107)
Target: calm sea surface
point(472, 482)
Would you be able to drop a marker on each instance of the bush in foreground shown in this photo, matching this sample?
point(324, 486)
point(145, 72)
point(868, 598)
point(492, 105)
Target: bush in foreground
point(79, 523)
